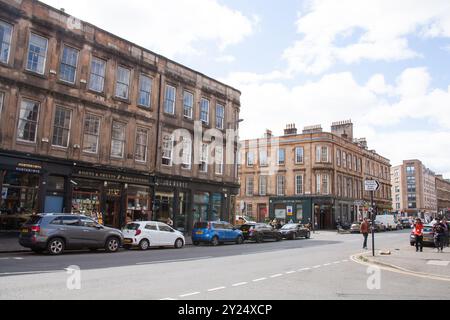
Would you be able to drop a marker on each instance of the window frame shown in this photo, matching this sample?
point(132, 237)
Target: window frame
point(186, 155)
point(68, 129)
point(171, 141)
point(302, 155)
point(202, 112)
point(222, 119)
point(35, 121)
point(9, 44)
point(123, 126)
point(301, 185)
point(44, 64)
point(118, 82)
point(66, 46)
point(190, 116)
point(204, 158)
point(219, 165)
point(281, 179)
point(91, 74)
point(266, 180)
point(90, 134)
point(281, 151)
point(148, 93)
point(140, 145)
point(173, 103)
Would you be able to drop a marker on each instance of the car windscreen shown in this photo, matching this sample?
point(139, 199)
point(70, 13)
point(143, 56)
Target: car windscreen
point(201, 225)
point(132, 226)
point(247, 227)
point(289, 227)
point(34, 220)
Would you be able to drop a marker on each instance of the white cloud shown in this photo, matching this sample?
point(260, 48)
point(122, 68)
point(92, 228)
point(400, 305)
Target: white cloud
point(381, 111)
point(226, 59)
point(171, 28)
point(349, 31)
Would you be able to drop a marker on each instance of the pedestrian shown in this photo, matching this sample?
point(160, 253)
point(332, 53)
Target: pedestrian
point(364, 229)
point(418, 234)
point(439, 233)
point(446, 232)
point(170, 222)
point(279, 225)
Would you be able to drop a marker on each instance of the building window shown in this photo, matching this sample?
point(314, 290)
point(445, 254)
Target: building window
point(123, 82)
point(299, 184)
point(188, 104)
point(249, 187)
point(249, 210)
point(321, 154)
point(299, 155)
point(37, 53)
point(145, 91)
point(28, 121)
point(97, 78)
point(91, 134)
point(322, 184)
point(2, 97)
point(5, 41)
point(204, 158)
point(263, 185)
point(344, 159)
point(359, 165)
point(141, 145)
point(250, 159)
point(186, 154)
point(204, 111)
point(349, 161)
point(219, 160)
point(220, 117)
point(281, 185)
point(169, 103)
point(167, 148)
point(338, 158)
point(61, 127)
point(281, 157)
point(68, 67)
point(410, 170)
point(118, 140)
point(355, 163)
point(263, 161)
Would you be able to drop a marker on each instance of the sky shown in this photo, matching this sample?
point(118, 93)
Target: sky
point(383, 64)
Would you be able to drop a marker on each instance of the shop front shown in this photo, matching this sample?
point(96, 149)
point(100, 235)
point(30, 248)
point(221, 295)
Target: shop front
point(185, 202)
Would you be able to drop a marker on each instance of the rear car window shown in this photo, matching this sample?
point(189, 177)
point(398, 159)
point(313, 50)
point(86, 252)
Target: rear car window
point(201, 225)
point(151, 227)
point(164, 228)
point(132, 226)
point(34, 220)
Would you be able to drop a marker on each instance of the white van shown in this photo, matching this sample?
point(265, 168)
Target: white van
point(388, 220)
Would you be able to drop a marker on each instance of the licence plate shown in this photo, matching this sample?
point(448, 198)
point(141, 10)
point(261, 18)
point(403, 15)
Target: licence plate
point(24, 231)
point(199, 232)
point(127, 241)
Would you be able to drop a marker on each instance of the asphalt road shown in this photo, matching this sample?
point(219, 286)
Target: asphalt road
point(319, 268)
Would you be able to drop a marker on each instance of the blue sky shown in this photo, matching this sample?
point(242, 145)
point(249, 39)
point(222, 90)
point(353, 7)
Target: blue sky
point(384, 64)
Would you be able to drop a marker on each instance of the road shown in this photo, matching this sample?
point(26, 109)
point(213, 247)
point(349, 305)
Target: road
point(319, 268)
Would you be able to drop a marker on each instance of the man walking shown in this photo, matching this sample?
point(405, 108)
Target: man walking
point(418, 233)
point(446, 232)
point(365, 232)
point(439, 233)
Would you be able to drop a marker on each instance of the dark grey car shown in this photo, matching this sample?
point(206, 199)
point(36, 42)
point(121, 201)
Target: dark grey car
point(56, 233)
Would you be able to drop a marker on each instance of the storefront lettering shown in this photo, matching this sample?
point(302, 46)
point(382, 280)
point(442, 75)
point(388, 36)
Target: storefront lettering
point(172, 183)
point(29, 168)
point(114, 177)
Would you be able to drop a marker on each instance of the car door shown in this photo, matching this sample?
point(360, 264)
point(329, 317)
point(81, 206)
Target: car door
point(152, 233)
point(71, 230)
point(166, 234)
point(93, 236)
point(230, 232)
point(219, 229)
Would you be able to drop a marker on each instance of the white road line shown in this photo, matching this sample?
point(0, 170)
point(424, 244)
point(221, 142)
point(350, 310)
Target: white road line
point(276, 275)
point(29, 273)
point(327, 264)
point(239, 284)
point(216, 289)
point(169, 261)
point(260, 279)
point(167, 299)
point(189, 294)
point(304, 269)
point(317, 267)
point(290, 272)
point(336, 262)
point(344, 260)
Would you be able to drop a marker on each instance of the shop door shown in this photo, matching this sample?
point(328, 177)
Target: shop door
point(262, 212)
point(53, 204)
point(112, 212)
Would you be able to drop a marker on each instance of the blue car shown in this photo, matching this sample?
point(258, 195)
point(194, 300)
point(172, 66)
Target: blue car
point(216, 233)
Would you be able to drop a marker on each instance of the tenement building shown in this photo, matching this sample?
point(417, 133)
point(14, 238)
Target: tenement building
point(87, 124)
point(312, 176)
point(443, 195)
point(414, 189)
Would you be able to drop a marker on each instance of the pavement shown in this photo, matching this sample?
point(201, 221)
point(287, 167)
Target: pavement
point(319, 268)
point(405, 258)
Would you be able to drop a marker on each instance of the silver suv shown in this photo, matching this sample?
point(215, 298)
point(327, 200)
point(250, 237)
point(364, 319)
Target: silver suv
point(55, 233)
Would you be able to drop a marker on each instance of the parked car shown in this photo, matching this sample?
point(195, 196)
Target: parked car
point(379, 226)
point(146, 234)
point(406, 223)
point(260, 232)
point(56, 233)
point(293, 231)
point(356, 227)
point(216, 233)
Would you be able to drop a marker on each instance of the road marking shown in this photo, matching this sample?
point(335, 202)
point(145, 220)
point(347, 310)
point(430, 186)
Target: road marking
point(167, 299)
point(239, 284)
point(216, 289)
point(344, 260)
point(327, 264)
point(290, 272)
point(260, 279)
point(29, 273)
point(170, 261)
point(438, 263)
point(276, 275)
point(317, 267)
point(304, 269)
point(336, 262)
point(189, 294)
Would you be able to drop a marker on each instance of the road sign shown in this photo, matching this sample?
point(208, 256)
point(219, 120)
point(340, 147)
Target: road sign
point(372, 185)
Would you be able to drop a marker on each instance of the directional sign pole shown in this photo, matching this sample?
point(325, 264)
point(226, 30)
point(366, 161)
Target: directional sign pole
point(373, 223)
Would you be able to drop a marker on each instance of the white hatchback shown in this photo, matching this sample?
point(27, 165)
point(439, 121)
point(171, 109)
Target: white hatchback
point(146, 234)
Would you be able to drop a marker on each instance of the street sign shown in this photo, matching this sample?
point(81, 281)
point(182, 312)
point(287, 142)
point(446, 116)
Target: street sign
point(290, 211)
point(372, 185)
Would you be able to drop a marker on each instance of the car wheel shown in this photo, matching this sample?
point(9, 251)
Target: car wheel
point(179, 244)
point(196, 243)
point(215, 241)
point(239, 240)
point(112, 244)
point(293, 236)
point(56, 246)
point(259, 238)
point(308, 235)
point(144, 244)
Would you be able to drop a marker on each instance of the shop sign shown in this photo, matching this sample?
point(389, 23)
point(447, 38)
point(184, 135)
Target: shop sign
point(280, 213)
point(111, 177)
point(29, 168)
point(290, 211)
point(172, 183)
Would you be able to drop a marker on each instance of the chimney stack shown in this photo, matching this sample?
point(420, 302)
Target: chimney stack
point(343, 129)
point(290, 129)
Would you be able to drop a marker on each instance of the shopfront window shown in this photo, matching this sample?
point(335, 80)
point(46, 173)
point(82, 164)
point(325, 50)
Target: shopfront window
point(201, 207)
point(216, 213)
point(86, 198)
point(164, 206)
point(19, 198)
point(180, 222)
point(138, 203)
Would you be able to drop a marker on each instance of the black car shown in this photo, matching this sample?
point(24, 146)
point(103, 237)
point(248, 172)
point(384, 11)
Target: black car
point(293, 231)
point(260, 232)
